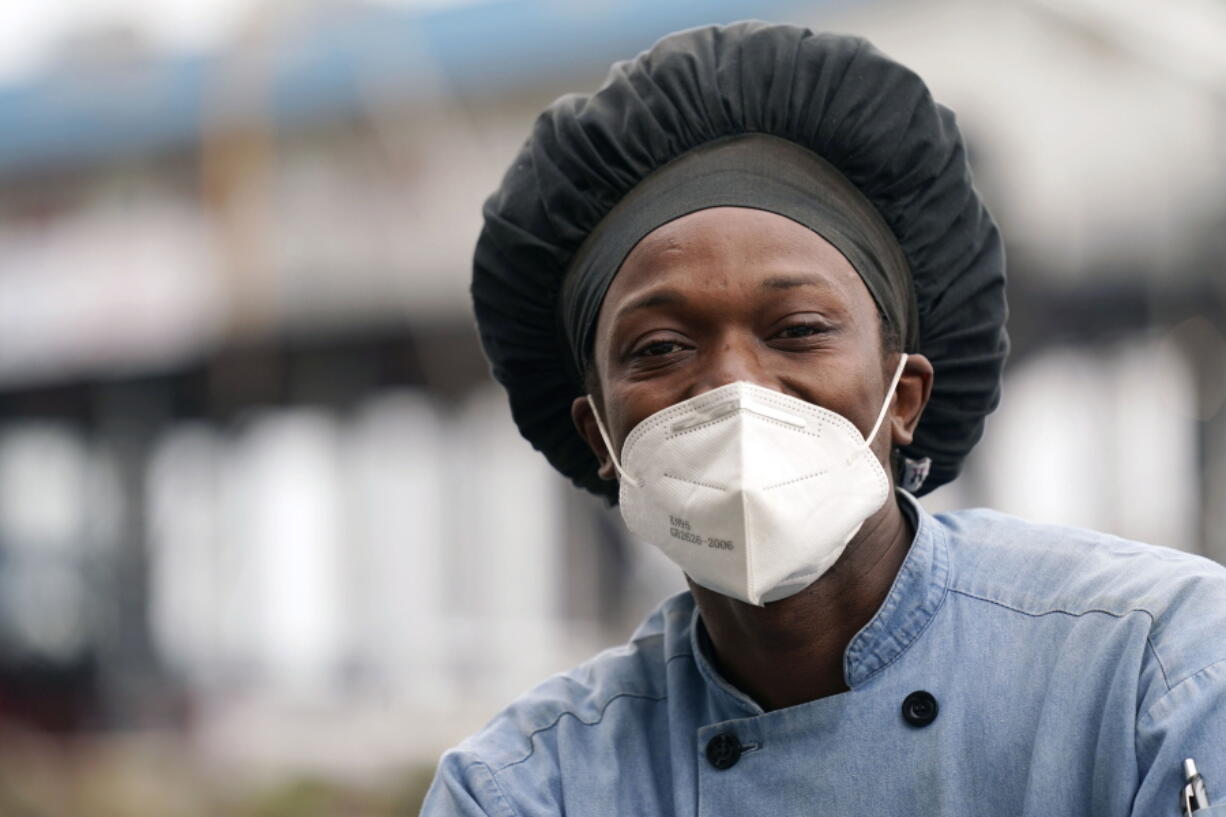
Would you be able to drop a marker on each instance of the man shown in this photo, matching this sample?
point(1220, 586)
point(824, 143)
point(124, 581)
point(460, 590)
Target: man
point(748, 290)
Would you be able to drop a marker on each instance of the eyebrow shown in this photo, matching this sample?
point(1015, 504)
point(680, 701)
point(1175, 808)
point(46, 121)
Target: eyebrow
point(792, 281)
point(664, 297)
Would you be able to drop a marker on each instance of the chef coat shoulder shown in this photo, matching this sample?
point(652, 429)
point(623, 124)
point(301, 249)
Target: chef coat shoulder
point(613, 706)
point(592, 696)
point(1043, 570)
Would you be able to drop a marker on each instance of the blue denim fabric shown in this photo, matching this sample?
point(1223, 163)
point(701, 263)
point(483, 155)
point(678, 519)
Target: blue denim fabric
point(1073, 671)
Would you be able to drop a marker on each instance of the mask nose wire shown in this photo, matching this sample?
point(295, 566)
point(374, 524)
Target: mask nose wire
point(604, 435)
point(886, 405)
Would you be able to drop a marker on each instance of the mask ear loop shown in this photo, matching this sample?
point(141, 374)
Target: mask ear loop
point(889, 395)
point(604, 435)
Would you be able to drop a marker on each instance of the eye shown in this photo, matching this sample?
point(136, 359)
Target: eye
point(801, 330)
point(658, 348)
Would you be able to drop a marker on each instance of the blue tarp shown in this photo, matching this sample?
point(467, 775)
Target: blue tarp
point(330, 65)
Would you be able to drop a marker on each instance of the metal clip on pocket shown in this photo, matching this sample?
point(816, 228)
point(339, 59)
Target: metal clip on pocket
point(1193, 797)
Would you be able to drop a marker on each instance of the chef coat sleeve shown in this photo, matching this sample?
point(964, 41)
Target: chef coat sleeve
point(464, 787)
point(1189, 720)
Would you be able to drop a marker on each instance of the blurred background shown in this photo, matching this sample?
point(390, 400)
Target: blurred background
point(269, 541)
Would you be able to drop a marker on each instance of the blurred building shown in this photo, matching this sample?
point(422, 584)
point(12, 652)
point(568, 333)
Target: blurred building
point(254, 479)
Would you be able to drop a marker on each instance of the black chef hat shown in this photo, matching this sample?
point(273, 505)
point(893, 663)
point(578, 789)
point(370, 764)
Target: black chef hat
point(870, 118)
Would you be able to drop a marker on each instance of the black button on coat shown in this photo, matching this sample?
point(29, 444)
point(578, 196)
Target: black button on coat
point(920, 708)
point(723, 751)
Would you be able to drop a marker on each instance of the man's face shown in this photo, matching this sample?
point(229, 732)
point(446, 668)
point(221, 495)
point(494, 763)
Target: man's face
point(731, 294)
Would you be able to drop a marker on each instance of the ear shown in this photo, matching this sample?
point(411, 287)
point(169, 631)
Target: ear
point(914, 389)
point(584, 417)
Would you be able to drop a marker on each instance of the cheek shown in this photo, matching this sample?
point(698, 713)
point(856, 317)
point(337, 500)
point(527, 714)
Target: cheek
point(624, 414)
point(631, 405)
point(853, 390)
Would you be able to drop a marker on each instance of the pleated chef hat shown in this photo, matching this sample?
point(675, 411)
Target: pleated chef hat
point(821, 128)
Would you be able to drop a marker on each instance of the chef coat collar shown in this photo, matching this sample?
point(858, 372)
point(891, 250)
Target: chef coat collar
point(908, 609)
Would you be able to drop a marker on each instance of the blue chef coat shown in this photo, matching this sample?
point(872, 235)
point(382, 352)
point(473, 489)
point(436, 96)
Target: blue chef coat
point(1067, 673)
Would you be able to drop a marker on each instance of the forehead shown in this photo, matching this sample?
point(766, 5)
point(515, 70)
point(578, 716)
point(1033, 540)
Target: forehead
point(739, 250)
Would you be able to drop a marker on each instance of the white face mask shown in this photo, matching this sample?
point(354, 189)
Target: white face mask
point(754, 494)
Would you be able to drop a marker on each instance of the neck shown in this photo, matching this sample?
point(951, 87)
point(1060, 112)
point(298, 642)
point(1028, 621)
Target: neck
point(791, 651)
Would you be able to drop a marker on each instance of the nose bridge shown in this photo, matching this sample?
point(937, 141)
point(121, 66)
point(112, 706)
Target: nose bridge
point(734, 357)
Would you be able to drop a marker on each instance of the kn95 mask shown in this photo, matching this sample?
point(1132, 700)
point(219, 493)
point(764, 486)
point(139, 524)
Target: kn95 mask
point(753, 493)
